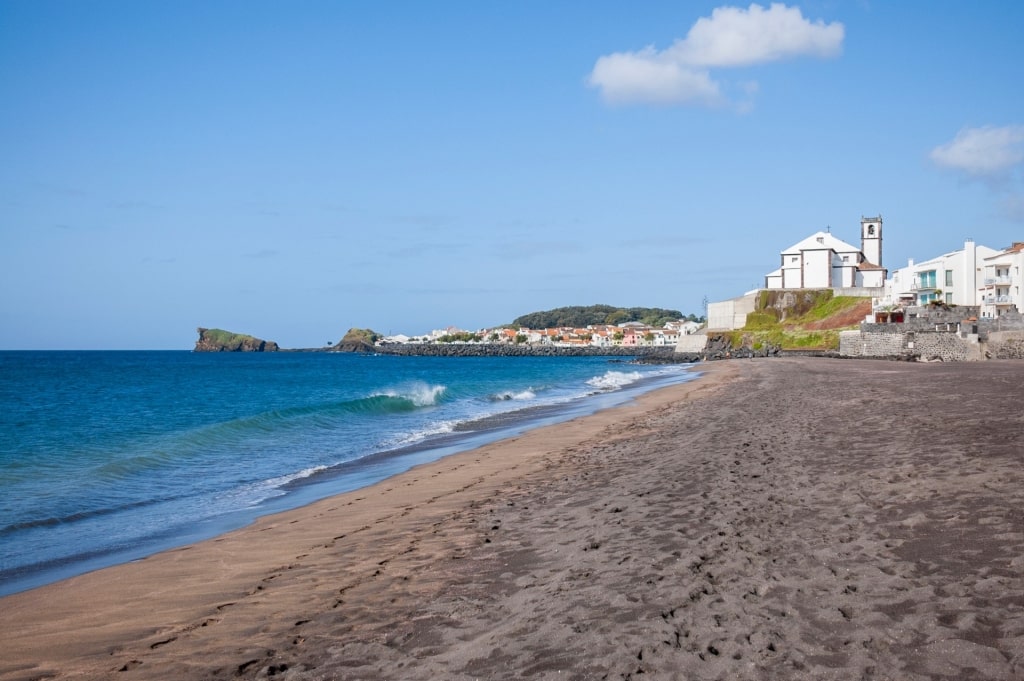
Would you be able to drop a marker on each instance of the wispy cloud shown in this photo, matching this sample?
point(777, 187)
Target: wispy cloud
point(416, 250)
point(992, 155)
point(137, 206)
point(61, 190)
point(731, 37)
point(525, 250)
point(986, 152)
point(661, 241)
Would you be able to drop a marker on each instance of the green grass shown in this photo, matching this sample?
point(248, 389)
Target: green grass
point(761, 320)
point(827, 307)
point(226, 338)
point(355, 335)
point(765, 327)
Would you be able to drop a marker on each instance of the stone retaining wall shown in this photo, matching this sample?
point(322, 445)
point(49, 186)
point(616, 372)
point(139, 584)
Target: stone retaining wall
point(925, 345)
point(949, 347)
point(1005, 345)
point(871, 343)
point(941, 335)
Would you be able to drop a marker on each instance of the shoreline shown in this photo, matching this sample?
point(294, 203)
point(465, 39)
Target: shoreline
point(782, 518)
point(116, 591)
point(307, 487)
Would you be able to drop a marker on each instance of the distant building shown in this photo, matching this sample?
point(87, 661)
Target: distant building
point(954, 278)
point(1001, 281)
point(824, 261)
point(687, 328)
point(665, 337)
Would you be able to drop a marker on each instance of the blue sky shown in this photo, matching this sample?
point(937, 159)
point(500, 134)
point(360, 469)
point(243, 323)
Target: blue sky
point(291, 170)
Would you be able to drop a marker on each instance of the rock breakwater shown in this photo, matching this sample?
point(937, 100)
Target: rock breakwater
point(659, 354)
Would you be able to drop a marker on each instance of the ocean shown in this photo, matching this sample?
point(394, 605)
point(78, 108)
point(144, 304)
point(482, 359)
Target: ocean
point(107, 457)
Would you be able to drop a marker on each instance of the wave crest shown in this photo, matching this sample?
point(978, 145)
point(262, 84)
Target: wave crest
point(513, 395)
point(612, 380)
point(419, 393)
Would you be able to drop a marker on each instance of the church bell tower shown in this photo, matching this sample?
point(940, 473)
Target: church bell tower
point(871, 239)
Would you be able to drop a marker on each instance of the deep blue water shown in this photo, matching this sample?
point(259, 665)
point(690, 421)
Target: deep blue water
point(110, 456)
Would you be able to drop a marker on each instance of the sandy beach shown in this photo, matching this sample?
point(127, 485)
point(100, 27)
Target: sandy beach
point(775, 519)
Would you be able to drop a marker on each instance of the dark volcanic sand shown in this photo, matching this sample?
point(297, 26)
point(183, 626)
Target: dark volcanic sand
point(789, 518)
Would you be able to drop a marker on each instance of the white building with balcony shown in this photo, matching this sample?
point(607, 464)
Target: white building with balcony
point(954, 278)
point(1001, 281)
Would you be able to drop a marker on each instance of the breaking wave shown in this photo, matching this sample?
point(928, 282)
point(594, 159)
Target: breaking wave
point(611, 380)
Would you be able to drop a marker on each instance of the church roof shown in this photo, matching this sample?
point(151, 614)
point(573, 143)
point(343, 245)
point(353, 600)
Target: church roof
point(819, 241)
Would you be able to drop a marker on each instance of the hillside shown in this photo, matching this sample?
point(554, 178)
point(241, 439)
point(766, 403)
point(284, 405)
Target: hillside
point(800, 320)
point(219, 340)
point(582, 316)
point(357, 340)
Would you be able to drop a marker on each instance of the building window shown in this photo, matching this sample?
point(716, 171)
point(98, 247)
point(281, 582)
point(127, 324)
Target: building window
point(949, 278)
point(928, 279)
point(949, 298)
point(795, 258)
point(846, 258)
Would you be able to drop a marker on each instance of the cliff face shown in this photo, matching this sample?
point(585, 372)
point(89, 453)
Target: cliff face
point(218, 340)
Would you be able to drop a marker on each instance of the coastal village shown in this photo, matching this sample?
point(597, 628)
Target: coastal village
point(963, 304)
point(627, 334)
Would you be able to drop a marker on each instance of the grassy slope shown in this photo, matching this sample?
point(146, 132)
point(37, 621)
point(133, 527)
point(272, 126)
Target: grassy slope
point(813, 322)
point(227, 339)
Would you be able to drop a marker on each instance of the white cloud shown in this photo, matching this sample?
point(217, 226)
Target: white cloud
point(738, 37)
point(994, 156)
point(731, 37)
point(646, 76)
point(983, 152)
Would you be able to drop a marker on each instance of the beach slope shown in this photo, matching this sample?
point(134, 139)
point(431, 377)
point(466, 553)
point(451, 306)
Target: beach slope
point(775, 519)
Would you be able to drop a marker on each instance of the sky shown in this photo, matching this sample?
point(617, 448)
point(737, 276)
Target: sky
point(294, 169)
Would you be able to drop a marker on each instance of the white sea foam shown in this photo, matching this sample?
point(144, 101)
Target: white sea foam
point(254, 493)
point(419, 393)
point(282, 480)
point(615, 379)
point(431, 430)
point(509, 395)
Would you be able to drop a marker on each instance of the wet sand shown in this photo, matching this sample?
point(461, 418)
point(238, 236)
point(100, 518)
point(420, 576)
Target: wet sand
point(776, 519)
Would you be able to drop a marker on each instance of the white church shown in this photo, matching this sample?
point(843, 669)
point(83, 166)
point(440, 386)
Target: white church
point(823, 261)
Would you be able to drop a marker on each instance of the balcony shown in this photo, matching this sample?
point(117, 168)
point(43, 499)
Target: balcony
point(994, 281)
point(996, 300)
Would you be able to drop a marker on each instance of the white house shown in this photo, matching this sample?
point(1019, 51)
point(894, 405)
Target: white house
point(663, 337)
point(953, 278)
point(1001, 281)
point(601, 338)
point(824, 261)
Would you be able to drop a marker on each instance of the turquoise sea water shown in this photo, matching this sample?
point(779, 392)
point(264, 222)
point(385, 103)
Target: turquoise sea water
point(110, 456)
